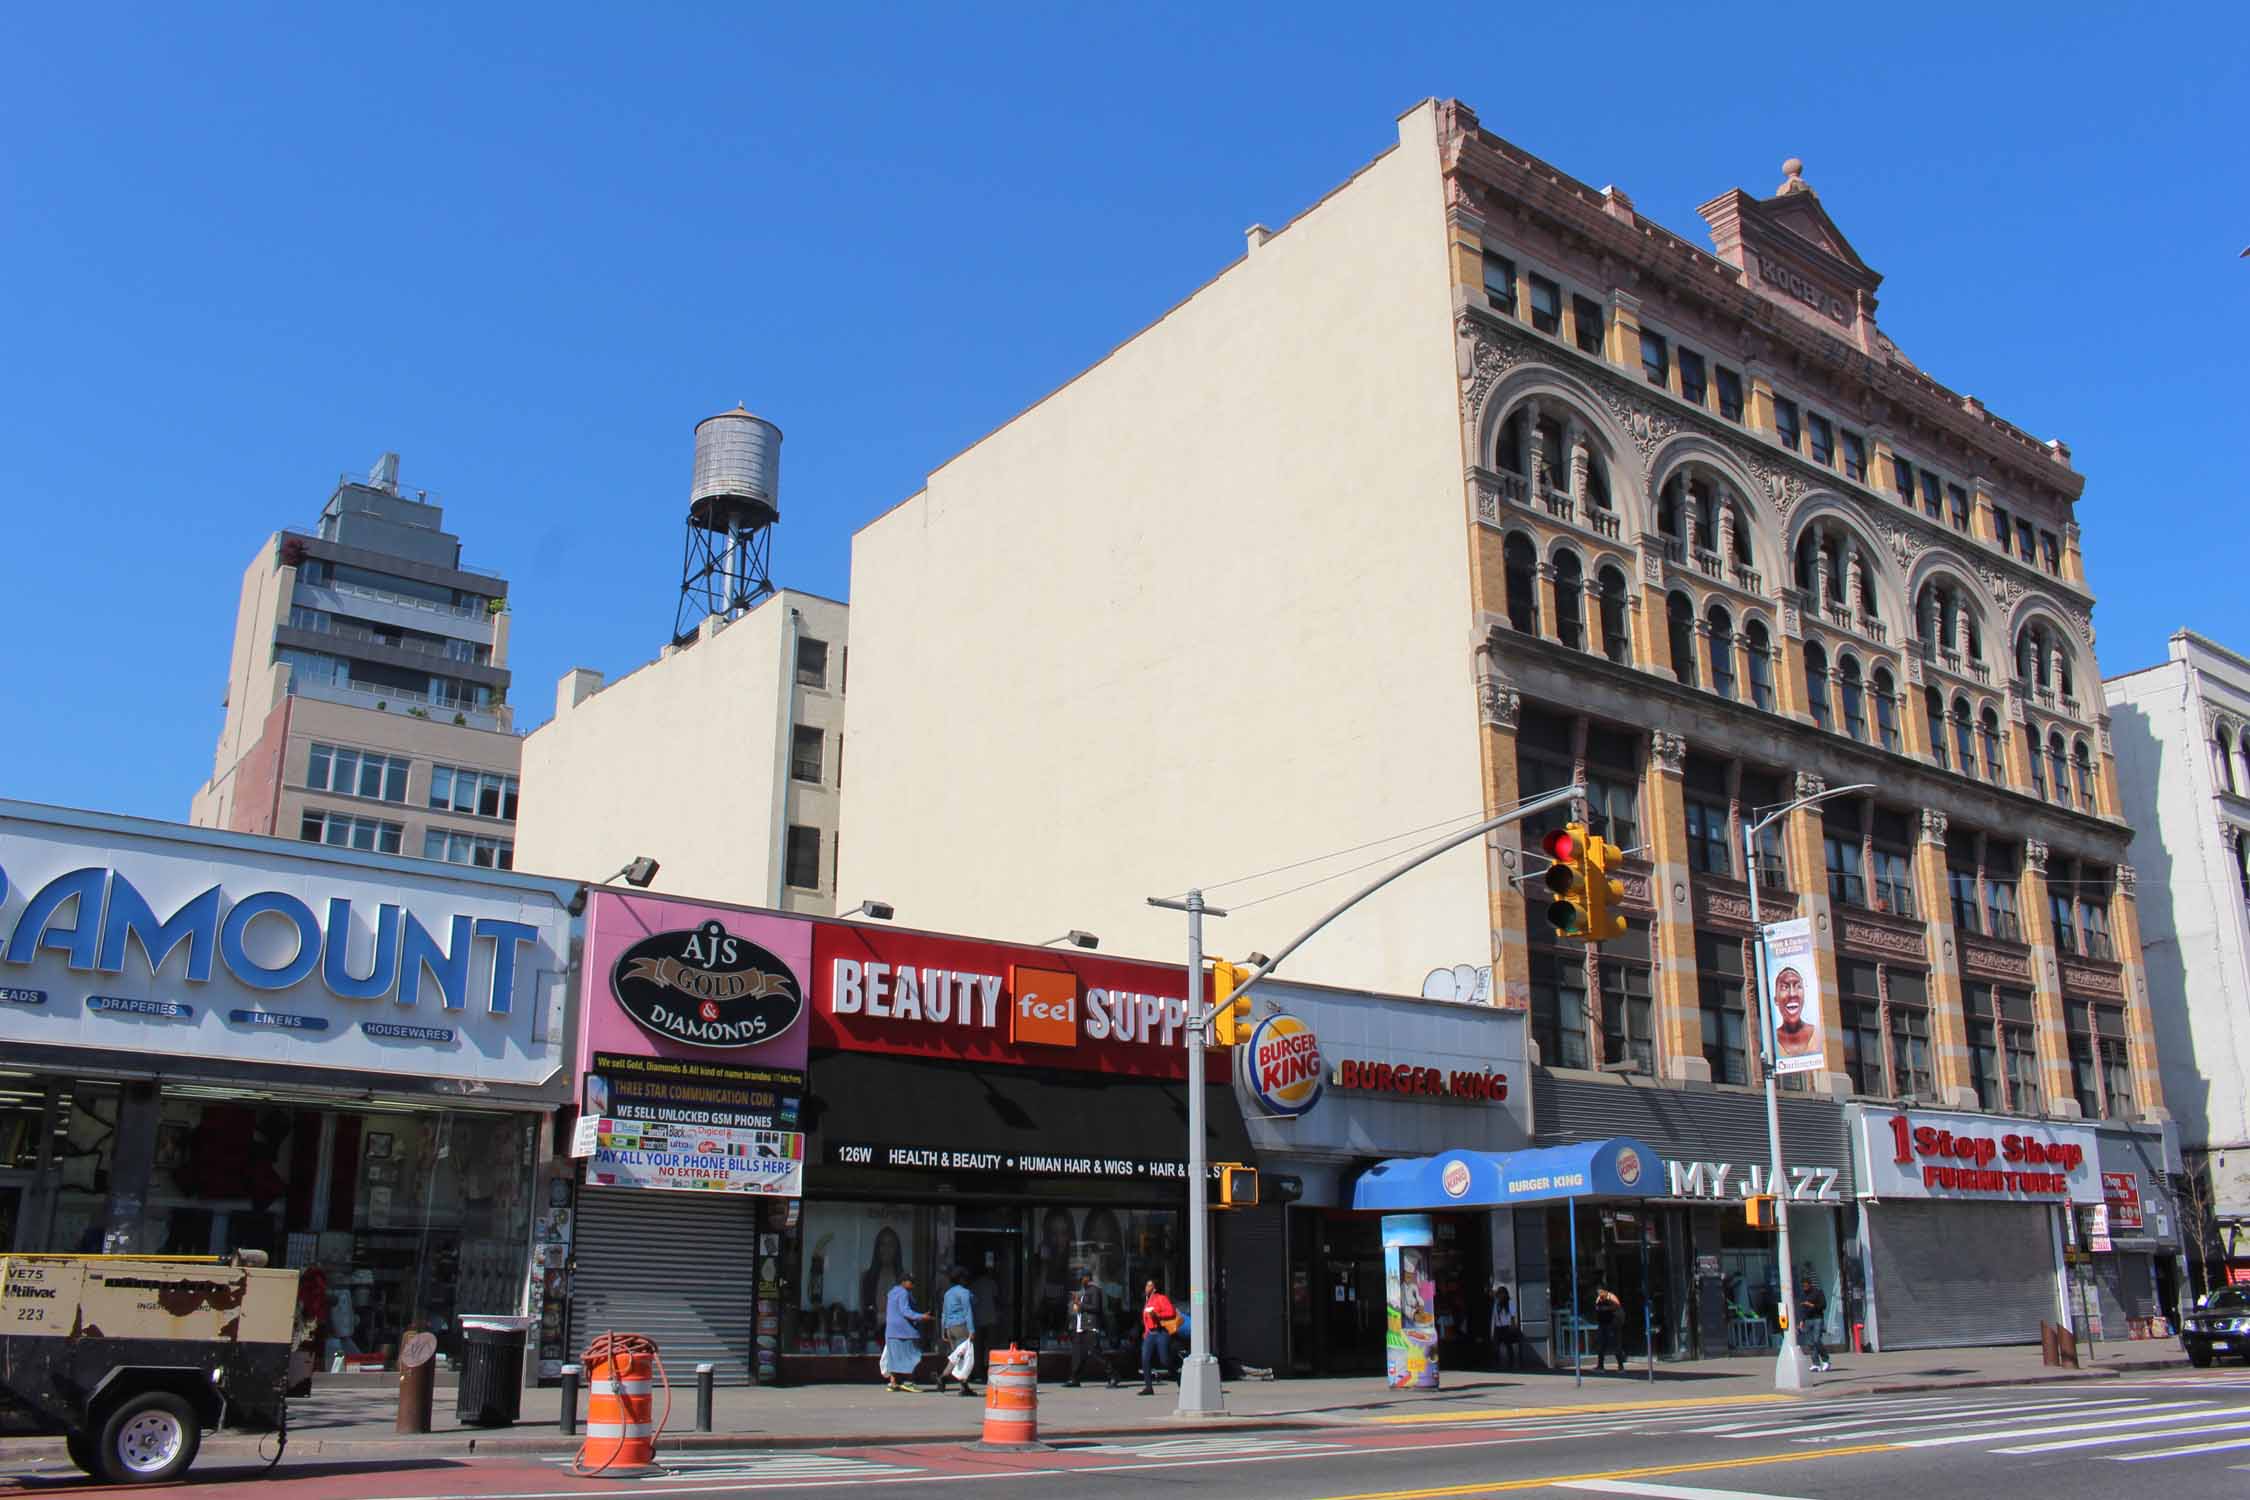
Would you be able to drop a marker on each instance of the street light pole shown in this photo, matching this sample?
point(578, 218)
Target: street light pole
point(1789, 1363)
point(1200, 1391)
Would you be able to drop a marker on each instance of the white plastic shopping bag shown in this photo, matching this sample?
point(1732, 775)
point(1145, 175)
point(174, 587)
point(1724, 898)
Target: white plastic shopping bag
point(961, 1361)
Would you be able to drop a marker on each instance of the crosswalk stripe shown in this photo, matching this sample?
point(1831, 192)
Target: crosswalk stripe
point(2134, 1458)
point(2121, 1437)
point(2200, 1409)
point(1974, 1416)
point(1665, 1491)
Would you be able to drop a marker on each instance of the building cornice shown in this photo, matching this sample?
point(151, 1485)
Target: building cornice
point(1607, 224)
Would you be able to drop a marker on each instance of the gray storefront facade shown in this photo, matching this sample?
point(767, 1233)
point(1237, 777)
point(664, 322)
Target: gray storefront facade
point(1707, 1283)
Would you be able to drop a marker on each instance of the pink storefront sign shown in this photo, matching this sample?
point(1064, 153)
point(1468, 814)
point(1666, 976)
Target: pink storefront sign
point(693, 982)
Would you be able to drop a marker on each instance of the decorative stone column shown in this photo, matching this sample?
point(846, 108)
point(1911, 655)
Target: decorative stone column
point(1855, 588)
point(2048, 1031)
point(1581, 464)
point(1499, 707)
point(2140, 1022)
point(1949, 1027)
point(1550, 623)
point(1652, 633)
point(1675, 1002)
point(1725, 505)
point(1534, 448)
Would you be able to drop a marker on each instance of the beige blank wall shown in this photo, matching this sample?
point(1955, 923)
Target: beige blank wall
point(1201, 612)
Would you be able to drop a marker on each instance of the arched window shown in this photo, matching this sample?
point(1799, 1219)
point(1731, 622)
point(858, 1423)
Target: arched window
point(1933, 707)
point(1758, 648)
point(1808, 565)
point(2058, 761)
point(2082, 766)
point(1855, 697)
point(1988, 730)
point(1704, 516)
point(1519, 566)
point(2222, 757)
point(1570, 608)
point(1721, 626)
point(1741, 535)
point(1681, 616)
point(1617, 645)
point(1511, 444)
point(2038, 763)
point(1668, 507)
point(2062, 670)
point(1880, 687)
point(1554, 458)
point(1964, 744)
point(1866, 599)
point(1816, 682)
point(1597, 482)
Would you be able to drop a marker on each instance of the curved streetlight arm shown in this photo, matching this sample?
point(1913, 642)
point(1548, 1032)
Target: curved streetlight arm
point(1516, 814)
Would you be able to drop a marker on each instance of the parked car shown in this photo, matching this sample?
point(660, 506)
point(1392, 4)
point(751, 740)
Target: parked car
point(2219, 1324)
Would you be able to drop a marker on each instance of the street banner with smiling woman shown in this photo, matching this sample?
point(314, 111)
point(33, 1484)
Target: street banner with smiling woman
point(1793, 980)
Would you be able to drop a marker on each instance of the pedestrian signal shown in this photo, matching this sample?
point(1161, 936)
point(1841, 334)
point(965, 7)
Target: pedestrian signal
point(1759, 1210)
point(1238, 1185)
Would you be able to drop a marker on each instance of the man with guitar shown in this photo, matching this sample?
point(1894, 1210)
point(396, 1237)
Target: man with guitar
point(1159, 1321)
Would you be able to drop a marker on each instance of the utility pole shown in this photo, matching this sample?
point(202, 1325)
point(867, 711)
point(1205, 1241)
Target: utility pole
point(1200, 1391)
point(1789, 1362)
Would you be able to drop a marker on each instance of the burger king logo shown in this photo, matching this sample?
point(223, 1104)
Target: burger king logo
point(1281, 1066)
point(1455, 1179)
point(1628, 1165)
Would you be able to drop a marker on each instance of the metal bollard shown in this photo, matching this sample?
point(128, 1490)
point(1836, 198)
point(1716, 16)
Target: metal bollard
point(706, 1376)
point(569, 1421)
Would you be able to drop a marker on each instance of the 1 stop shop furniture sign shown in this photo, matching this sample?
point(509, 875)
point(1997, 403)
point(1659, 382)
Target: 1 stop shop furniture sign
point(876, 990)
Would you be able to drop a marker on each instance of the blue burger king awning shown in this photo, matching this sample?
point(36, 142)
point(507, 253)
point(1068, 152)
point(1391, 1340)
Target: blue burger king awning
point(1621, 1167)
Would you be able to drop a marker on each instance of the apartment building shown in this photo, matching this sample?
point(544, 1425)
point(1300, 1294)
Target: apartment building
point(2182, 730)
point(367, 687)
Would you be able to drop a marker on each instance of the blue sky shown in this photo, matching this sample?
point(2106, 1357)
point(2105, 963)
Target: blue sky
point(244, 249)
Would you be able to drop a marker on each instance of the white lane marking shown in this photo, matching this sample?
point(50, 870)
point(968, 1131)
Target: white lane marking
point(1979, 1416)
point(821, 1466)
point(1665, 1491)
point(2120, 1437)
point(2134, 1458)
point(1217, 1443)
point(2203, 1410)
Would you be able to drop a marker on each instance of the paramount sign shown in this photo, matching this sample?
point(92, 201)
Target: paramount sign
point(1721, 1179)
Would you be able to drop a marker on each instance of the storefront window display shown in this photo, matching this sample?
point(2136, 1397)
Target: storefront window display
point(854, 1253)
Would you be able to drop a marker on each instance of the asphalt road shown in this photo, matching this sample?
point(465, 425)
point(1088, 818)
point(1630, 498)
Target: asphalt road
point(2184, 1437)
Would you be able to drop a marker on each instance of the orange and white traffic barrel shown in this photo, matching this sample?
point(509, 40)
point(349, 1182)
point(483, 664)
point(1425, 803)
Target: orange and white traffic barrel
point(1011, 1399)
point(620, 1411)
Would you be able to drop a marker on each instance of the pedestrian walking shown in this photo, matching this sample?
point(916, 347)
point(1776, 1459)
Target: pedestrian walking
point(957, 1320)
point(1507, 1338)
point(1086, 1308)
point(1158, 1319)
point(902, 1341)
point(1812, 1321)
point(1609, 1313)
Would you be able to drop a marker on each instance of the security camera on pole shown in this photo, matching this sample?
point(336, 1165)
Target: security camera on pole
point(1789, 1364)
point(1200, 1392)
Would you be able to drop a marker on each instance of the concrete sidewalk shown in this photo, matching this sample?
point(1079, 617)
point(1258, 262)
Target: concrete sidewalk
point(354, 1416)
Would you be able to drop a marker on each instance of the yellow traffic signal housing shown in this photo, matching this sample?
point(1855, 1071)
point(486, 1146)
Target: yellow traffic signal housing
point(1238, 1185)
point(1759, 1210)
point(1569, 912)
point(1230, 1012)
point(1602, 889)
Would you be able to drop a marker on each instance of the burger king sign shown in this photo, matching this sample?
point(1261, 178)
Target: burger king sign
point(1281, 1065)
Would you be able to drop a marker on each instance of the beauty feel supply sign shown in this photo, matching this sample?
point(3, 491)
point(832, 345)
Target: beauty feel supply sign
point(118, 939)
point(928, 996)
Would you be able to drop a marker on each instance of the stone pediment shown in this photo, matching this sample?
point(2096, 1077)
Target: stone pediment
point(1790, 251)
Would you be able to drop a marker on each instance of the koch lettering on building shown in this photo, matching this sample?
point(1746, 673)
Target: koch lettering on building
point(927, 995)
point(117, 938)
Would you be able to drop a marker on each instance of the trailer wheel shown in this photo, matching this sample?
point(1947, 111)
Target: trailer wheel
point(80, 1447)
point(148, 1439)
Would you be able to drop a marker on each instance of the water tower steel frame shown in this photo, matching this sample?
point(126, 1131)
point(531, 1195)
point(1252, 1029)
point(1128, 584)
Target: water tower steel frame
point(726, 564)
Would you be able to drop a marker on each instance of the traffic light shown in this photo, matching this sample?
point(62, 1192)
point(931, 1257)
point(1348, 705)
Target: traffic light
point(1602, 888)
point(1568, 913)
point(1238, 1185)
point(1230, 1012)
point(1759, 1210)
